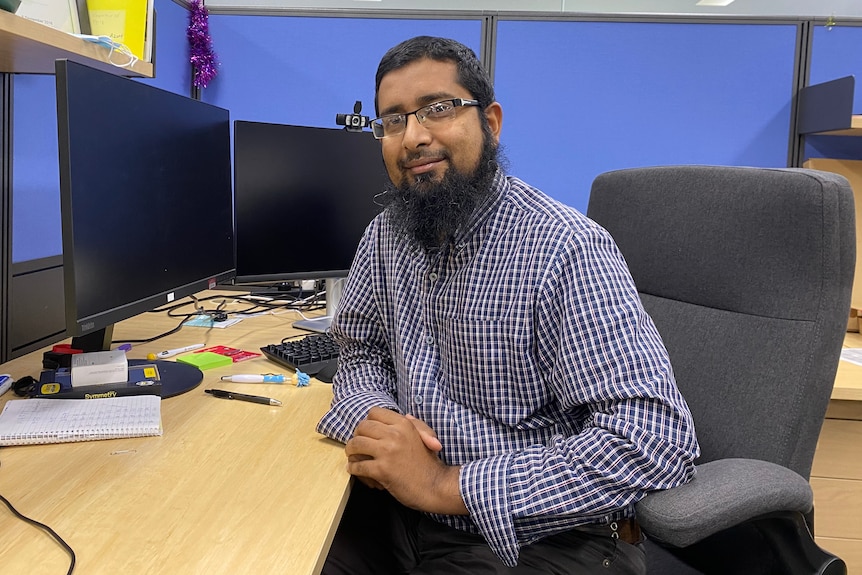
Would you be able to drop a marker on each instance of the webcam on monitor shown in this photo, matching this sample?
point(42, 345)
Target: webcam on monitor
point(353, 122)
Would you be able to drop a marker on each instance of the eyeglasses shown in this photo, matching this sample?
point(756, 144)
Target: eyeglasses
point(432, 114)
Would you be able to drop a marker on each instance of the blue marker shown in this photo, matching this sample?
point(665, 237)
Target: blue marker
point(5, 383)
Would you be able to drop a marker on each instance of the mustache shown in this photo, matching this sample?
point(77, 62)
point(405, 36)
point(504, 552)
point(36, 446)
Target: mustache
point(422, 155)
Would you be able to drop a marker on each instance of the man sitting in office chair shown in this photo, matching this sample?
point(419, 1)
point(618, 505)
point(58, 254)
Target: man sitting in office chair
point(503, 396)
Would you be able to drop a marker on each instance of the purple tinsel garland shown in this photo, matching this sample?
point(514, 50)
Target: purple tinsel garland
point(201, 53)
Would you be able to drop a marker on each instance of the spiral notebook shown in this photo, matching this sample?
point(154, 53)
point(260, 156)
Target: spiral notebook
point(29, 421)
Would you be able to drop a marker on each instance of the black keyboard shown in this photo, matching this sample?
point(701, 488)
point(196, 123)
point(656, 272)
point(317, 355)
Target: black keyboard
point(310, 354)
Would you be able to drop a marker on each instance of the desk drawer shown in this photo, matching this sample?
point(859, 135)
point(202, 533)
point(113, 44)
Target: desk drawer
point(839, 450)
point(837, 508)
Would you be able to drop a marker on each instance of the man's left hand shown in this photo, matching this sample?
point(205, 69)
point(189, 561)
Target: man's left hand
point(387, 449)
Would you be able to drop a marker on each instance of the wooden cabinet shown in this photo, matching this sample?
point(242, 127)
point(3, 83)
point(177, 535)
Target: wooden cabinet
point(836, 479)
point(28, 47)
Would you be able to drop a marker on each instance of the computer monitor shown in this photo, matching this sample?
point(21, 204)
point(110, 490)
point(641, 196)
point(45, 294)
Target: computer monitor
point(303, 198)
point(146, 201)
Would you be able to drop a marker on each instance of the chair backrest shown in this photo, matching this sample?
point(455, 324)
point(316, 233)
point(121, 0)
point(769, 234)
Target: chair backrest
point(747, 273)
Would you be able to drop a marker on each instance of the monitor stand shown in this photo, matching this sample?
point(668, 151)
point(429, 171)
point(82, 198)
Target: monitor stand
point(317, 324)
point(333, 295)
point(175, 377)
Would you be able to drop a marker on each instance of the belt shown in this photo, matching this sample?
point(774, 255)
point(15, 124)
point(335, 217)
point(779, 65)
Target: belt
point(627, 530)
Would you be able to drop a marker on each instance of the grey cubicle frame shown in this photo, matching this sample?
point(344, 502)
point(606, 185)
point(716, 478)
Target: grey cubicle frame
point(5, 208)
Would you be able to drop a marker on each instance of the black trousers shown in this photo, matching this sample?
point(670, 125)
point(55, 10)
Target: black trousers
point(379, 536)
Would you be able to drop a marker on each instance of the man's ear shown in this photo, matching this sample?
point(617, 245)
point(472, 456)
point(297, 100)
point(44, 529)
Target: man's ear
point(494, 114)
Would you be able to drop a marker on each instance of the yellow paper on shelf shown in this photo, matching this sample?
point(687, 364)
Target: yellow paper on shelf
point(124, 21)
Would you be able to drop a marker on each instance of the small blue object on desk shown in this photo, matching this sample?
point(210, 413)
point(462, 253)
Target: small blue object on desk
point(302, 379)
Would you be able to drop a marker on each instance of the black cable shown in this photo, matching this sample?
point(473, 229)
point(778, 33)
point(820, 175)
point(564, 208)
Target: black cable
point(45, 528)
point(269, 305)
point(200, 310)
point(253, 301)
point(154, 338)
point(311, 306)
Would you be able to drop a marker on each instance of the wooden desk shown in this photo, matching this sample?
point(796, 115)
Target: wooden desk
point(848, 380)
point(231, 487)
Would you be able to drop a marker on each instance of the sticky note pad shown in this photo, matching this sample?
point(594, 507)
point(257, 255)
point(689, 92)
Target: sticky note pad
point(205, 360)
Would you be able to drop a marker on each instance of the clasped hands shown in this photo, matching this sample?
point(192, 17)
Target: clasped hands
point(399, 453)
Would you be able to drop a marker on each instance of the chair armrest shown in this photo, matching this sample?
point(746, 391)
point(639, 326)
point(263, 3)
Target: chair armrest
point(722, 494)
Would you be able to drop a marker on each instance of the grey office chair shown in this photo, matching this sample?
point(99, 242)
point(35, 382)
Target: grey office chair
point(747, 274)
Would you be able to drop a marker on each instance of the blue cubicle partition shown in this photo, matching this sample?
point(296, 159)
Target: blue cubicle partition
point(835, 54)
point(35, 172)
point(583, 97)
point(580, 95)
point(305, 70)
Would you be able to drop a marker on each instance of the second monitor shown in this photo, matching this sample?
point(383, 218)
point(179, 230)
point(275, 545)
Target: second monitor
point(303, 197)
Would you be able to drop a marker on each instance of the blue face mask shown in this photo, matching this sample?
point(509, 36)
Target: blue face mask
point(128, 59)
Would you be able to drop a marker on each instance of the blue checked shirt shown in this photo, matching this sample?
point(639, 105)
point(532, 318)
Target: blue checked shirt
point(524, 345)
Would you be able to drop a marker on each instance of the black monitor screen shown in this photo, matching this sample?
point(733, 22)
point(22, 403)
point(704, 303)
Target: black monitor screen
point(146, 198)
point(304, 196)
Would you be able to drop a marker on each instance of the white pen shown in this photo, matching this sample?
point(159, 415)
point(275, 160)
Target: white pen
point(254, 378)
point(5, 383)
point(172, 352)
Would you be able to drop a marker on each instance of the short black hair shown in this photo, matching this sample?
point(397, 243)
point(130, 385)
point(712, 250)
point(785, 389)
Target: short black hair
point(471, 74)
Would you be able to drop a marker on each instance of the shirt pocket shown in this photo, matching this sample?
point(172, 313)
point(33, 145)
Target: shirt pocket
point(488, 366)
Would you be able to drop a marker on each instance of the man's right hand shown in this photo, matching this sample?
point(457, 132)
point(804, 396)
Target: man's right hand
point(429, 438)
point(428, 435)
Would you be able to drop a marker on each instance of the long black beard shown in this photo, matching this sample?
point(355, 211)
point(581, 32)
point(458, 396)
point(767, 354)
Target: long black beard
point(429, 212)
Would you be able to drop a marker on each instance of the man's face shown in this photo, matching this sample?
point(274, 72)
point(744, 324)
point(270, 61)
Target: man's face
point(440, 171)
point(421, 154)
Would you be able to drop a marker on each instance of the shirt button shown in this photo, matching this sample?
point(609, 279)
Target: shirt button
point(429, 339)
point(418, 400)
point(433, 276)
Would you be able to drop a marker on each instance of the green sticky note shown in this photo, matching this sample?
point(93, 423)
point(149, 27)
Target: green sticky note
point(205, 360)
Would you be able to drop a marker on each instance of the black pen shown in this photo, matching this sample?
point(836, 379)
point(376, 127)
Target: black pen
point(242, 396)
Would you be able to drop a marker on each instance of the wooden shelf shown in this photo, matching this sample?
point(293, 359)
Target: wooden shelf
point(855, 129)
point(27, 47)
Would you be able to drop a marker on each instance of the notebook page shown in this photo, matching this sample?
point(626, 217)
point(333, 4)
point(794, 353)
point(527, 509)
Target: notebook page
point(27, 421)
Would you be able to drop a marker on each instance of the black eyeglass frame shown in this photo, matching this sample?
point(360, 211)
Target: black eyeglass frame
point(377, 125)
